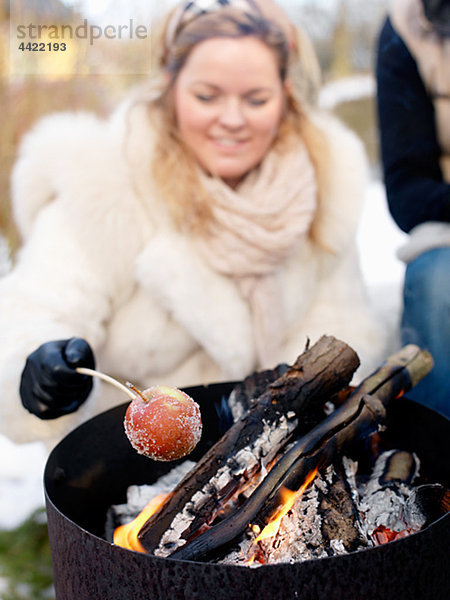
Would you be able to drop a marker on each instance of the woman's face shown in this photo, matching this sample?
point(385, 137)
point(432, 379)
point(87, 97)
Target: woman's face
point(228, 101)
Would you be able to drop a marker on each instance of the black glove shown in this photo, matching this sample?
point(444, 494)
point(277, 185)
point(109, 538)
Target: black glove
point(50, 387)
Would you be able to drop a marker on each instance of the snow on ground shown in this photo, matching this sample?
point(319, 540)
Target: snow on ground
point(21, 467)
point(378, 240)
point(21, 490)
point(346, 89)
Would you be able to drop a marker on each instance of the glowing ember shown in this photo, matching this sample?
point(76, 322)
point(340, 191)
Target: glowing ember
point(126, 536)
point(383, 535)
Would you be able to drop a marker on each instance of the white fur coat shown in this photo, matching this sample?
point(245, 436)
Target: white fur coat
point(101, 260)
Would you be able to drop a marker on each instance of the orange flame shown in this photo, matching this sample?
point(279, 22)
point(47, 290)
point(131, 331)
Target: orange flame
point(127, 535)
point(271, 529)
point(288, 498)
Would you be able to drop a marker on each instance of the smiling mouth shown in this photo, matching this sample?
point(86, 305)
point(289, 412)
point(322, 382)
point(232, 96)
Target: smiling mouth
point(228, 142)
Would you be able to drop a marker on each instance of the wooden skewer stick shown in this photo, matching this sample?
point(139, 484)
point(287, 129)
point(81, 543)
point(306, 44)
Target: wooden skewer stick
point(129, 388)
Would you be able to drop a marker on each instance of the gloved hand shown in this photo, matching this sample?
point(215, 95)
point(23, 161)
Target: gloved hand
point(50, 387)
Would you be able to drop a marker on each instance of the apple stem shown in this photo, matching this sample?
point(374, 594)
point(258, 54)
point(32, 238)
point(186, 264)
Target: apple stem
point(136, 390)
point(131, 394)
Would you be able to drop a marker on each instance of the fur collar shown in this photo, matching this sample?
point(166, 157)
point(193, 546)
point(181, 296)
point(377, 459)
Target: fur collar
point(88, 155)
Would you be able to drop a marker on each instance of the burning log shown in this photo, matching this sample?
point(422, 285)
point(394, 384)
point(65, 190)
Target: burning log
point(361, 415)
point(251, 443)
point(320, 519)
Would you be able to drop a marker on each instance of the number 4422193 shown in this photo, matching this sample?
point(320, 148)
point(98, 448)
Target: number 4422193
point(43, 47)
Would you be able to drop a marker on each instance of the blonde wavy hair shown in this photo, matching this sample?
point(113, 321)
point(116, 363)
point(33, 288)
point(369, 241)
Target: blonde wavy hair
point(297, 64)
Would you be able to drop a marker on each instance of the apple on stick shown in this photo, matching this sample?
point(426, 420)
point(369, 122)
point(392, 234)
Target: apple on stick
point(161, 422)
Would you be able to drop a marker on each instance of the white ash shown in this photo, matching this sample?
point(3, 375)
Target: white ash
point(254, 482)
point(323, 480)
point(338, 547)
point(383, 505)
point(350, 472)
point(138, 496)
point(237, 408)
point(329, 408)
point(383, 508)
point(272, 437)
point(299, 535)
point(246, 461)
point(351, 469)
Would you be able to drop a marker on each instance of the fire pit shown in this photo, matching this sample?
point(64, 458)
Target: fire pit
point(91, 469)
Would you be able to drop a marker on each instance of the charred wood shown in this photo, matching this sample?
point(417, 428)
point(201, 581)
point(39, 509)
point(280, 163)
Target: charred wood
point(342, 527)
point(322, 521)
point(246, 393)
point(385, 494)
point(250, 444)
point(359, 416)
point(243, 396)
point(425, 504)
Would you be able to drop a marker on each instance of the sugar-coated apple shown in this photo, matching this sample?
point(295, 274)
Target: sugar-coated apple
point(163, 423)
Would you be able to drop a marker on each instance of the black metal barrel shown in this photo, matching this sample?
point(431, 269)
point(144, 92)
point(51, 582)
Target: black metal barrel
point(92, 467)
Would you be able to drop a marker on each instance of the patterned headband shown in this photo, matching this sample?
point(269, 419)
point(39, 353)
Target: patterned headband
point(188, 11)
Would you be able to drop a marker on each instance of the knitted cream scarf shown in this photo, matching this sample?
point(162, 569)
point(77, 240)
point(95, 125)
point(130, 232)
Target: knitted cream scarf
point(254, 229)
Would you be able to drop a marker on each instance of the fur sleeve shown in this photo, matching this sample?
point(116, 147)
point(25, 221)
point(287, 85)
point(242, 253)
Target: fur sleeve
point(45, 156)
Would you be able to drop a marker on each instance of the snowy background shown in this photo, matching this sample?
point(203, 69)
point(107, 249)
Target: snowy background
point(21, 467)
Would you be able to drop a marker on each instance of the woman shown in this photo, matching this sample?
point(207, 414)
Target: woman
point(206, 230)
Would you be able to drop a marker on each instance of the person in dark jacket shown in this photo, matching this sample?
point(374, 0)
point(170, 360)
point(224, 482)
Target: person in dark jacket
point(413, 101)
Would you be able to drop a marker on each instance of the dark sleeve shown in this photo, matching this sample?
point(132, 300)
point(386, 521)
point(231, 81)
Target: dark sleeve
point(410, 150)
